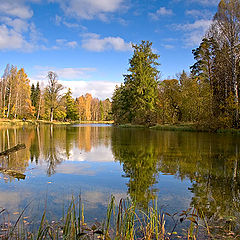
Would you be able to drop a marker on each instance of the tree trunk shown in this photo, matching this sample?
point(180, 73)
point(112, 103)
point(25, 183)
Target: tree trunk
point(39, 107)
point(13, 149)
point(51, 115)
point(9, 102)
point(16, 102)
point(237, 104)
point(4, 99)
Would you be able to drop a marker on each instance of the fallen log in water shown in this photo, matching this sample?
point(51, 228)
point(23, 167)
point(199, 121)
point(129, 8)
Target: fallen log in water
point(10, 172)
point(13, 173)
point(13, 149)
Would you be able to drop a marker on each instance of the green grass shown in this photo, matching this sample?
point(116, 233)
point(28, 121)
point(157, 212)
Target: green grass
point(184, 127)
point(128, 125)
point(194, 128)
point(189, 127)
point(177, 127)
point(229, 131)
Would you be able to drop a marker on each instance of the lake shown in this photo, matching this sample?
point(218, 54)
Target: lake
point(180, 169)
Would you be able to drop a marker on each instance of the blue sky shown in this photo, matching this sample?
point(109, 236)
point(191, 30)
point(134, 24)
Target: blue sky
point(88, 42)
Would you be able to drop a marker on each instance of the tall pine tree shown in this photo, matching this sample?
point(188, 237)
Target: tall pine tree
point(71, 107)
point(138, 95)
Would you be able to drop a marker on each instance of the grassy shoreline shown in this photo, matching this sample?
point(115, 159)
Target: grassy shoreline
point(185, 127)
point(16, 122)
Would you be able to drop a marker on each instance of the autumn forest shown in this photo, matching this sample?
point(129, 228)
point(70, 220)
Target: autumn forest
point(19, 100)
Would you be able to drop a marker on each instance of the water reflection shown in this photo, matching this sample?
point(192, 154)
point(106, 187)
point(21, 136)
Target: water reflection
point(83, 155)
point(137, 151)
point(209, 161)
point(18, 161)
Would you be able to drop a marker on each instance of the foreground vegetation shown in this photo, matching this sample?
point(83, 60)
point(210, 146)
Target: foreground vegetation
point(123, 221)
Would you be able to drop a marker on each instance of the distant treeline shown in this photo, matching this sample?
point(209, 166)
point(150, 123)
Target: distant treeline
point(19, 100)
point(208, 95)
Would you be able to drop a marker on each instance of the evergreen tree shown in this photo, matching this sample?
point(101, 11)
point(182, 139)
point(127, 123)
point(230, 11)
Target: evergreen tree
point(71, 107)
point(204, 56)
point(138, 96)
point(37, 100)
point(33, 95)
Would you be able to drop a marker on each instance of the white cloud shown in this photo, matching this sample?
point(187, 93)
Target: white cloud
point(15, 8)
point(72, 77)
point(74, 73)
point(168, 46)
point(72, 44)
point(93, 42)
point(63, 73)
point(19, 25)
point(98, 153)
point(199, 24)
point(200, 2)
point(194, 32)
point(162, 11)
point(75, 169)
point(90, 35)
point(11, 39)
point(60, 43)
point(35, 36)
point(71, 25)
point(206, 2)
point(89, 9)
point(17, 32)
point(99, 89)
point(60, 20)
point(94, 198)
point(206, 14)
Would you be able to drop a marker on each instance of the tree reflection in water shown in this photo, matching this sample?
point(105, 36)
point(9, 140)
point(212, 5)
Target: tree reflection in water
point(54, 144)
point(135, 149)
point(209, 161)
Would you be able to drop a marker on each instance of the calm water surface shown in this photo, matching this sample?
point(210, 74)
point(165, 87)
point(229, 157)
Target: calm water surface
point(182, 169)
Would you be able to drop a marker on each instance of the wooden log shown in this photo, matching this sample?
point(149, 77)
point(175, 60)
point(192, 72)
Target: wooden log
point(13, 149)
point(13, 173)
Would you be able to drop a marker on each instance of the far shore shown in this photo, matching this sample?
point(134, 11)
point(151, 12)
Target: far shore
point(183, 127)
point(18, 122)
